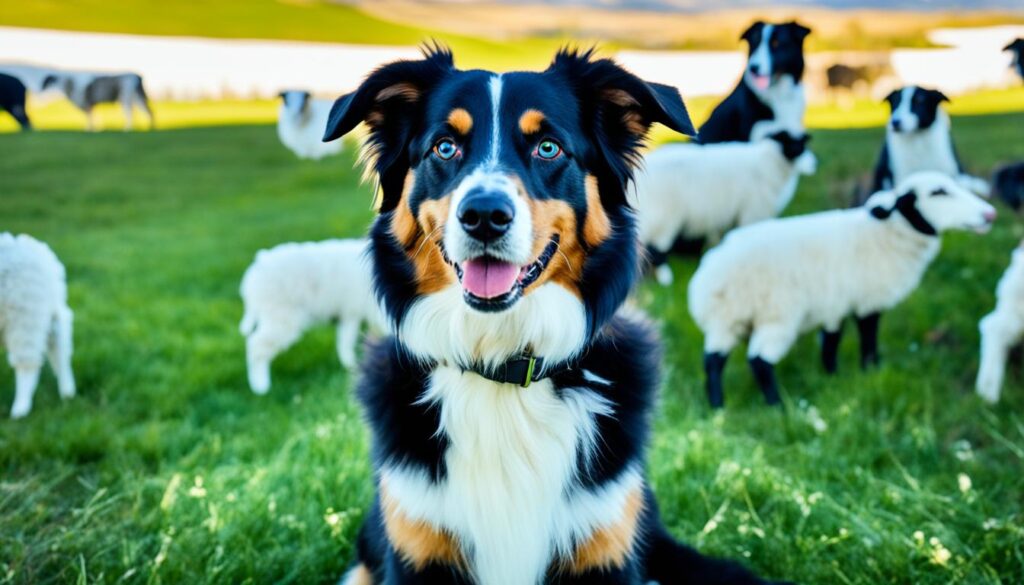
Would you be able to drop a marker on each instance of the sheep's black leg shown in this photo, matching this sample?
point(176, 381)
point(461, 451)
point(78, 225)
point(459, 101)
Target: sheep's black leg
point(684, 246)
point(867, 327)
point(830, 348)
point(656, 257)
point(764, 373)
point(714, 363)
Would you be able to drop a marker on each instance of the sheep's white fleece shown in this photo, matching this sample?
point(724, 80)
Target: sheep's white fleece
point(782, 277)
point(1002, 328)
point(701, 191)
point(302, 132)
point(34, 316)
point(293, 286)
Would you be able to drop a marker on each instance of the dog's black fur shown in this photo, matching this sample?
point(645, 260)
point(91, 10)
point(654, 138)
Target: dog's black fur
point(12, 99)
point(599, 114)
point(1008, 182)
point(1017, 48)
point(733, 119)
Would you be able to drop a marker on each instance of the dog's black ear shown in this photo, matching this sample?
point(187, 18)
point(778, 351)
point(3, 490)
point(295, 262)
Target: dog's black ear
point(800, 30)
point(48, 81)
point(281, 94)
point(892, 97)
point(1016, 45)
point(388, 97)
point(618, 108)
point(939, 96)
point(749, 33)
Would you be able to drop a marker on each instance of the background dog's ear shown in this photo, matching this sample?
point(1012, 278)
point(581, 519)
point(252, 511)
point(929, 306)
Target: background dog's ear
point(618, 108)
point(800, 30)
point(48, 81)
point(941, 97)
point(891, 98)
point(749, 33)
point(1016, 45)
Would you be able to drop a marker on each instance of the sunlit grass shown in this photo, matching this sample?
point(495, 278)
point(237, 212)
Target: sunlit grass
point(167, 469)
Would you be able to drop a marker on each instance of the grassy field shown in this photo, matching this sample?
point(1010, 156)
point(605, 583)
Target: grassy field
point(166, 469)
point(298, 20)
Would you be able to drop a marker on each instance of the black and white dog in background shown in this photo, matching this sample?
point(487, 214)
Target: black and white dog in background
point(918, 138)
point(85, 90)
point(1017, 49)
point(771, 87)
point(12, 99)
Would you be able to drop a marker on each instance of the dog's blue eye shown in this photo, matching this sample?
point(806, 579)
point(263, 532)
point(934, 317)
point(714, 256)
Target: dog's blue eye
point(548, 150)
point(445, 149)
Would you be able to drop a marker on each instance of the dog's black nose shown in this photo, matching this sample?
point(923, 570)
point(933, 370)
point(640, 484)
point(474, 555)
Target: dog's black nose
point(486, 216)
point(755, 69)
point(897, 124)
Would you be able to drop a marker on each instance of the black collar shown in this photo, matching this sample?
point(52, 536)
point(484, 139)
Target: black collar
point(905, 204)
point(521, 371)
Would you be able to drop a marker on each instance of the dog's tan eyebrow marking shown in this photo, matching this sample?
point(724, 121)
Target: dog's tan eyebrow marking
point(460, 121)
point(531, 120)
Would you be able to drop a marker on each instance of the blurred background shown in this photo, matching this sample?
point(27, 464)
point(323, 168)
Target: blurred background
point(224, 62)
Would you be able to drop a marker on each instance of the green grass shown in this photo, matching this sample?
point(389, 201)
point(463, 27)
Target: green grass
point(166, 469)
point(298, 20)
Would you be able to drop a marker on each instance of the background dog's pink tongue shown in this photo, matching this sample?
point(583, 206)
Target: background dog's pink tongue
point(488, 278)
point(762, 81)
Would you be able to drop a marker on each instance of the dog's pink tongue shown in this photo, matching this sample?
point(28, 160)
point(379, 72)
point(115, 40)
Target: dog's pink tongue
point(762, 81)
point(488, 278)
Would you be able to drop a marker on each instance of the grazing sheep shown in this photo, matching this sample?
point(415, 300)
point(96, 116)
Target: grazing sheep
point(698, 192)
point(34, 317)
point(294, 286)
point(1002, 328)
point(301, 124)
point(86, 90)
point(778, 278)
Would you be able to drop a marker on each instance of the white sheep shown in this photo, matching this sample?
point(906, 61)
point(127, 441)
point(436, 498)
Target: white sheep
point(692, 191)
point(1002, 328)
point(301, 123)
point(34, 317)
point(778, 278)
point(294, 286)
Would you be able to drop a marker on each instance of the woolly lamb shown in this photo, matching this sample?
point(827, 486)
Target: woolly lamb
point(1002, 328)
point(301, 124)
point(34, 317)
point(778, 278)
point(698, 192)
point(294, 286)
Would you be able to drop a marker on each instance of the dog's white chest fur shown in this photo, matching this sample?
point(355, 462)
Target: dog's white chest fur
point(510, 494)
point(926, 150)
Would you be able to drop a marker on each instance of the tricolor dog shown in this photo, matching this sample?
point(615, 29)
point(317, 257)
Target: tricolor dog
point(770, 89)
point(510, 410)
point(86, 90)
point(918, 138)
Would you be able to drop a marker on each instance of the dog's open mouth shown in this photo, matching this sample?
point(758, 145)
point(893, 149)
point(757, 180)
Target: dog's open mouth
point(492, 285)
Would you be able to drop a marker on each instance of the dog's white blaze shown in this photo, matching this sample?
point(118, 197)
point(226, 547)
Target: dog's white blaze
point(903, 112)
point(515, 247)
point(495, 87)
point(762, 56)
point(442, 327)
point(510, 493)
